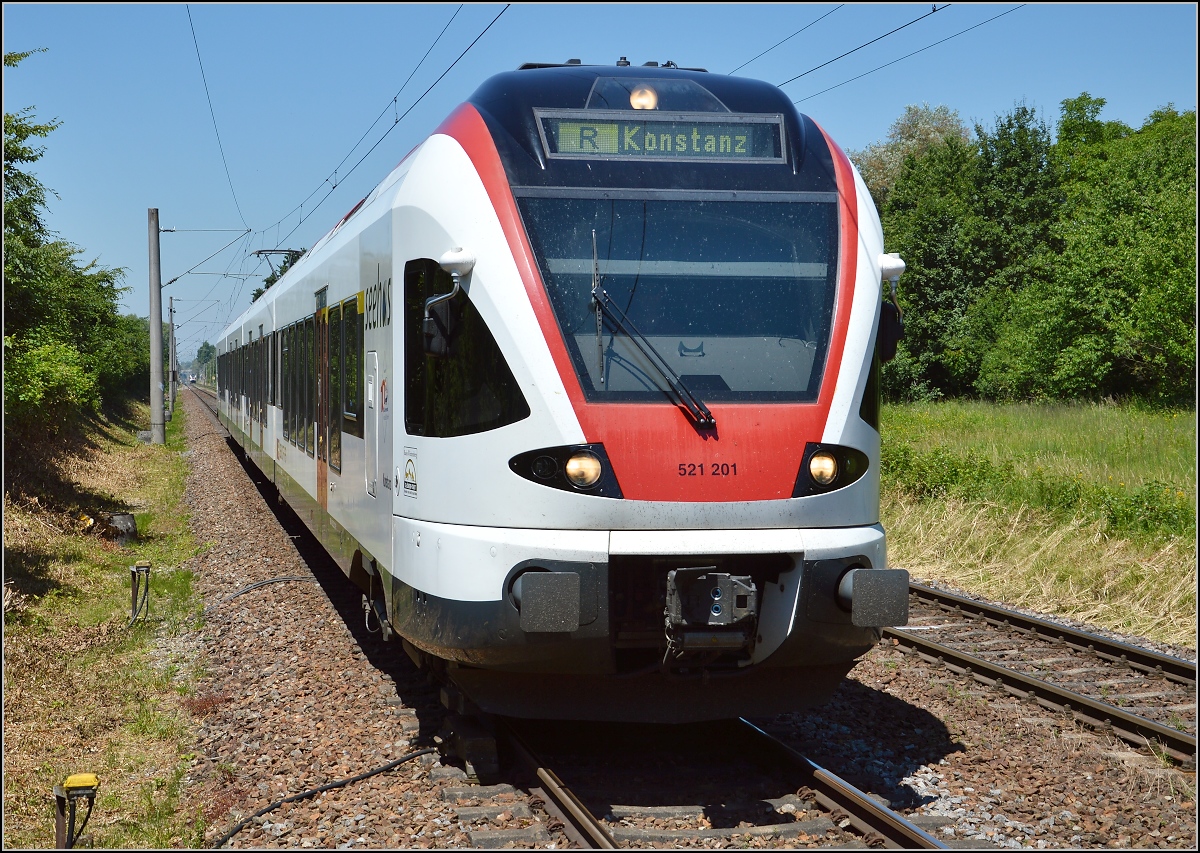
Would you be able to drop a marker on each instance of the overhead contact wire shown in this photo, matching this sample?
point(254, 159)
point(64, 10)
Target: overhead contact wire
point(210, 257)
point(906, 56)
point(333, 180)
point(789, 38)
point(213, 113)
point(406, 112)
point(403, 86)
point(867, 44)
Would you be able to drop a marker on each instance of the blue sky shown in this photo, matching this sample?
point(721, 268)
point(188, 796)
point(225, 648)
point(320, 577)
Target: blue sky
point(295, 87)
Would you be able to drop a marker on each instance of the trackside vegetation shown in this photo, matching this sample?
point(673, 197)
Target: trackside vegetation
point(1039, 445)
point(68, 350)
point(1040, 268)
point(84, 690)
point(1080, 509)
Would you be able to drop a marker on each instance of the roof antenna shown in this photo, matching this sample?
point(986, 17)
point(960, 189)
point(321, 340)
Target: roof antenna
point(622, 62)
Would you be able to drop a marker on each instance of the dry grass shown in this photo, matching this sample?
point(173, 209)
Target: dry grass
point(82, 691)
point(1024, 557)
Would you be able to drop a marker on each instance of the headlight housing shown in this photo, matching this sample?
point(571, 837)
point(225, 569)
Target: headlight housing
point(580, 468)
point(827, 468)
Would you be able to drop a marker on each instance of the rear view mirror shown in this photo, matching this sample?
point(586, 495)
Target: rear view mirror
point(891, 330)
point(436, 329)
point(891, 318)
point(435, 326)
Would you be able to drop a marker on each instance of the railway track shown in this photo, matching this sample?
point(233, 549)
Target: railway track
point(1146, 698)
point(824, 807)
point(271, 692)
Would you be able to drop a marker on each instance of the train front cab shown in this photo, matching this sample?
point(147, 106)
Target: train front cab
point(592, 605)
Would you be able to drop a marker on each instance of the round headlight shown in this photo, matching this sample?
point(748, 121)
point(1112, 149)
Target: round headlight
point(823, 467)
point(643, 98)
point(583, 470)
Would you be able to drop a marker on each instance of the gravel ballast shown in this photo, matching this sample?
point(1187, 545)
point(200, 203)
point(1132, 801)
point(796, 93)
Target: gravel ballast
point(296, 693)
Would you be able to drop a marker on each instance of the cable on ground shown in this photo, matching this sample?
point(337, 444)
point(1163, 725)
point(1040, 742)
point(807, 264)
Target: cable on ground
point(313, 792)
point(255, 586)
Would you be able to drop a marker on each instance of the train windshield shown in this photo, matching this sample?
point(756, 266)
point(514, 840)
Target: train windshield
point(736, 296)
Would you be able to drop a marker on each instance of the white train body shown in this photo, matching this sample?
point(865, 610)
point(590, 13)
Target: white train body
point(426, 475)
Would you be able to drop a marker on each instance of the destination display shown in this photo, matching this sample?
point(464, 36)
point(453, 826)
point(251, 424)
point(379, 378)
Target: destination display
point(592, 135)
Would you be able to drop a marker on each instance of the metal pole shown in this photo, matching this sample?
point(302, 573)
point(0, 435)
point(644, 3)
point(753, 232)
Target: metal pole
point(171, 362)
point(158, 430)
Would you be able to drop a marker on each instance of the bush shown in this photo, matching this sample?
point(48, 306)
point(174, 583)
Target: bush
point(46, 383)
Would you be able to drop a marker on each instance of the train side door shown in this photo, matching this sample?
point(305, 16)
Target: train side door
point(322, 364)
point(372, 424)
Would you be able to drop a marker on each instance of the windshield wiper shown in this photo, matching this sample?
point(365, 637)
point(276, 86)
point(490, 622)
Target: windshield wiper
point(687, 400)
point(599, 312)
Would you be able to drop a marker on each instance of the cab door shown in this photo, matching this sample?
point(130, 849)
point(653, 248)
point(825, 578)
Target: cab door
point(372, 424)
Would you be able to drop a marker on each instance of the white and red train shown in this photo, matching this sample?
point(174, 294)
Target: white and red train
point(585, 395)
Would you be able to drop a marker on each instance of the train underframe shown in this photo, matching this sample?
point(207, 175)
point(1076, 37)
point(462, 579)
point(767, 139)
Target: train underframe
point(657, 638)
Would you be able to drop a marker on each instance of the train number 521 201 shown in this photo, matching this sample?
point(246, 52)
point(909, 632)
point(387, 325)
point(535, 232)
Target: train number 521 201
point(709, 469)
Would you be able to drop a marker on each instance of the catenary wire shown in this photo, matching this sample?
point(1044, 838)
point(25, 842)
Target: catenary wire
point(789, 38)
point(867, 44)
point(402, 117)
point(214, 116)
point(332, 179)
point(403, 86)
point(210, 257)
point(305, 216)
point(906, 56)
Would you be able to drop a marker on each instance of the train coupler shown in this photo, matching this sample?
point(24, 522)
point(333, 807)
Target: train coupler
point(708, 610)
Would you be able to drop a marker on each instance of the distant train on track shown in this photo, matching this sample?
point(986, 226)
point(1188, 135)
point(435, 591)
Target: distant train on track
point(585, 396)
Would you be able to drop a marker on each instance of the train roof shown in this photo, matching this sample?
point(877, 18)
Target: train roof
point(568, 86)
point(509, 103)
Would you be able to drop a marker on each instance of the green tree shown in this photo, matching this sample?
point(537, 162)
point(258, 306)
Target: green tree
point(973, 221)
point(1116, 318)
point(913, 134)
point(66, 347)
point(205, 354)
point(929, 221)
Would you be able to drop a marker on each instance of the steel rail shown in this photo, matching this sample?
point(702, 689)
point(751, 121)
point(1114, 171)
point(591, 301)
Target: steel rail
point(214, 414)
point(1145, 660)
point(578, 823)
point(1091, 712)
point(874, 821)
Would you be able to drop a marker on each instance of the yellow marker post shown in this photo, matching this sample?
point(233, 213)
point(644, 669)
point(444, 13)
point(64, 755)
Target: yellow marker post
point(77, 786)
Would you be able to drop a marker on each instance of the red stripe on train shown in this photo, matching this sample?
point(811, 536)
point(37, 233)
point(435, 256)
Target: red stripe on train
point(657, 454)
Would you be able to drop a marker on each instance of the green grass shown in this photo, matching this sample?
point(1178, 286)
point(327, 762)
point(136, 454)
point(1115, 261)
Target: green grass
point(1080, 510)
point(1135, 470)
point(84, 693)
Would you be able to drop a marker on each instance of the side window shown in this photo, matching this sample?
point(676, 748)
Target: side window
point(310, 385)
point(293, 399)
point(334, 327)
point(471, 389)
point(301, 388)
point(352, 386)
point(284, 361)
